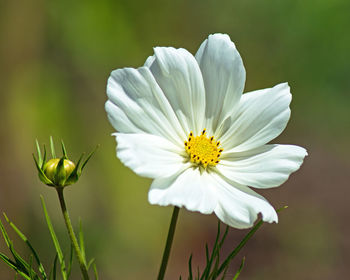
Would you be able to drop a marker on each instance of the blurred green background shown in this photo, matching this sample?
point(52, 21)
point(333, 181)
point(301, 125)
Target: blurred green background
point(55, 58)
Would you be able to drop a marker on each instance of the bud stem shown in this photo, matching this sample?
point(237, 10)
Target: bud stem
point(72, 237)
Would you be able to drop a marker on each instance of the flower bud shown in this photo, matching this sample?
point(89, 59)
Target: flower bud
point(51, 171)
point(59, 172)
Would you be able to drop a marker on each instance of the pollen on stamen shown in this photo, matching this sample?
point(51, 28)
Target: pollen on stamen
point(203, 150)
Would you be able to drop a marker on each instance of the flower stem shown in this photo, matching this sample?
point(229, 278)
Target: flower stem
point(72, 237)
point(169, 241)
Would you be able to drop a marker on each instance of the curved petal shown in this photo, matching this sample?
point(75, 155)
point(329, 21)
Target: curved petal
point(148, 155)
point(140, 105)
point(119, 120)
point(264, 167)
point(224, 77)
point(178, 75)
point(261, 116)
point(149, 61)
point(187, 188)
point(238, 206)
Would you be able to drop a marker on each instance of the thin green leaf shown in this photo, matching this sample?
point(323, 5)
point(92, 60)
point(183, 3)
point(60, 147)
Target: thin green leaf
point(8, 261)
point(190, 276)
point(5, 235)
point(40, 159)
point(13, 265)
point(64, 151)
point(239, 270)
point(60, 175)
point(54, 239)
point(73, 177)
point(32, 274)
point(224, 273)
point(88, 157)
point(206, 272)
point(52, 146)
point(53, 274)
point(44, 158)
point(20, 263)
point(214, 274)
point(42, 175)
point(243, 242)
point(24, 238)
point(240, 246)
point(90, 263)
point(224, 237)
point(95, 271)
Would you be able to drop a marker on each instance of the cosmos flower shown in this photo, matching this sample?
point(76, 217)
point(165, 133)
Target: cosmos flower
point(183, 121)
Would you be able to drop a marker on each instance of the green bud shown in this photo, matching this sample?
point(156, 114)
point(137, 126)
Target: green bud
point(59, 172)
point(51, 171)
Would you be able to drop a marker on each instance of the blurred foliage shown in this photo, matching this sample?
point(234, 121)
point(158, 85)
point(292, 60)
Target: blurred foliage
point(55, 58)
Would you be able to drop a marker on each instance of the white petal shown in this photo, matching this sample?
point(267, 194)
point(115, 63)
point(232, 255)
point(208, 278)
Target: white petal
point(224, 77)
point(149, 61)
point(264, 167)
point(261, 116)
point(141, 105)
point(238, 206)
point(148, 155)
point(189, 188)
point(119, 120)
point(178, 74)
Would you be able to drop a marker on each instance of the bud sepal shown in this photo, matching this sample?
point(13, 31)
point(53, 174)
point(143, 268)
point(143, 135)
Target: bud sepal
point(59, 172)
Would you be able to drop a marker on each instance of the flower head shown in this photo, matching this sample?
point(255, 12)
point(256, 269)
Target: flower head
point(58, 172)
point(183, 121)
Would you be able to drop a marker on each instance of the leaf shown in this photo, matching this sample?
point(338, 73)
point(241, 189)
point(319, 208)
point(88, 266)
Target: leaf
point(64, 151)
point(52, 275)
point(90, 263)
point(13, 265)
point(213, 254)
point(44, 158)
point(95, 271)
point(74, 176)
point(52, 146)
point(190, 276)
point(243, 242)
point(24, 238)
point(54, 239)
point(60, 175)
point(40, 160)
point(239, 270)
point(89, 156)
point(42, 175)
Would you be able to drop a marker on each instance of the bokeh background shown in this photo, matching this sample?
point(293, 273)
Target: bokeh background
point(55, 58)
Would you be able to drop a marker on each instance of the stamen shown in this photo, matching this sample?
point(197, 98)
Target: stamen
point(203, 150)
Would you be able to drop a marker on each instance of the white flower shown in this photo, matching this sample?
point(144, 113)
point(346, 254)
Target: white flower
point(183, 121)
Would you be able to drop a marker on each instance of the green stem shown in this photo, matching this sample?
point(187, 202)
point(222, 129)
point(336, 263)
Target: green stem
point(72, 237)
point(169, 241)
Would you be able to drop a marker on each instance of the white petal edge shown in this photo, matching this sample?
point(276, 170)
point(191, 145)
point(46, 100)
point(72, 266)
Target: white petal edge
point(119, 120)
point(223, 75)
point(141, 104)
point(238, 206)
point(178, 75)
point(188, 188)
point(148, 155)
point(261, 116)
point(264, 167)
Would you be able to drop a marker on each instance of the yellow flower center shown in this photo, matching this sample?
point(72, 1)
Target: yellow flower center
point(203, 150)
